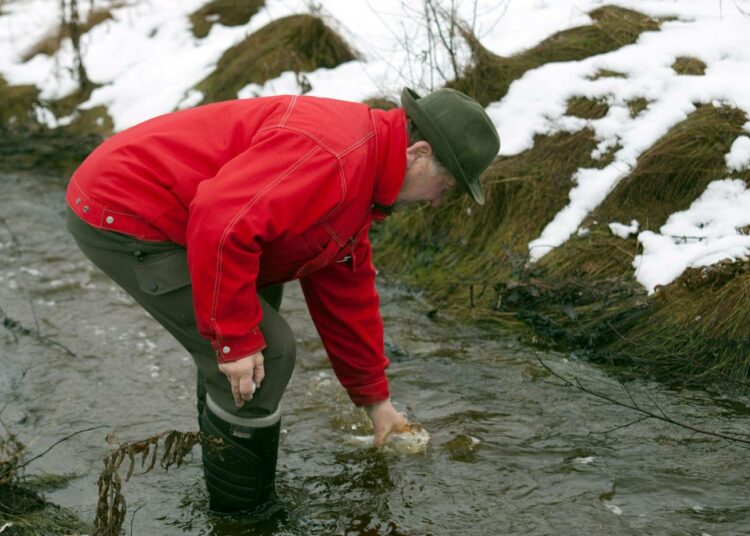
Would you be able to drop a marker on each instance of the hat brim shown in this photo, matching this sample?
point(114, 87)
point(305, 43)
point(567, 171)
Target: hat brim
point(439, 143)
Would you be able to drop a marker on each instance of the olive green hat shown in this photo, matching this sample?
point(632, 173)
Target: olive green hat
point(460, 132)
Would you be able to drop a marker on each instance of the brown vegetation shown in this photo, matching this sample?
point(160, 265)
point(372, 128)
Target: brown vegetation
point(226, 12)
point(50, 43)
point(686, 65)
point(299, 43)
point(490, 75)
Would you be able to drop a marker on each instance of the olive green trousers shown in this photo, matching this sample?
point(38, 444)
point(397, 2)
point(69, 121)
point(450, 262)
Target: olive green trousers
point(156, 275)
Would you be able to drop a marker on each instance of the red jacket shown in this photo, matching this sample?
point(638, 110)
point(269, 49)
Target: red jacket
point(262, 191)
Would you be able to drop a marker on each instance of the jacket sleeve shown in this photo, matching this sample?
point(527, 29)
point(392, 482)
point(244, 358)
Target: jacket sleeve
point(279, 185)
point(344, 306)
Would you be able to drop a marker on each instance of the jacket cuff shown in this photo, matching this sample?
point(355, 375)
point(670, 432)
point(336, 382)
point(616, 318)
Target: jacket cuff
point(364, 395)
point(233, 349)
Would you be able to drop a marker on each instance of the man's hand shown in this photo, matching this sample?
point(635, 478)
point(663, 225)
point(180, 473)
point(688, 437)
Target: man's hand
point(244, 376)
point(385, 420)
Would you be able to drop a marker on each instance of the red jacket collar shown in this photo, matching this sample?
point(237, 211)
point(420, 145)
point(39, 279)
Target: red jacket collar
point(390, 133)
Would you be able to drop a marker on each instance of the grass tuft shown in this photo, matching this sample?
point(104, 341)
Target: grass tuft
point(459, 251)
point(226, 12)
point(607, 73)
point(636, 106)
point(490, 76)
point(676, 169)
point(299, 43)
point(19, 103)
point(381, 103)
point(587, 108)
point(686, 65)
point(23, 510)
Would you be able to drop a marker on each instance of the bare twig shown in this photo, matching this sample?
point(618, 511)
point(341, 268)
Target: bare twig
point(53, 445)
point(635, 407)
point(638, 420)
point(13, 239)
point(15, 326)
point(132, 518)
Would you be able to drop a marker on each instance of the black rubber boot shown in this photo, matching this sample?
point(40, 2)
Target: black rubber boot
point(200, 395)
point(241, 472)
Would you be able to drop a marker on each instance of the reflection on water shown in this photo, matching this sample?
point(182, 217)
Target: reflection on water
point(509, 452)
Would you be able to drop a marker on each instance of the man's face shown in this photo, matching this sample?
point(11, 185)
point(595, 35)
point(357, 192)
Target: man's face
point(423, 180)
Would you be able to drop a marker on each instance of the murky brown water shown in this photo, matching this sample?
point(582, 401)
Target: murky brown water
point(509, 454)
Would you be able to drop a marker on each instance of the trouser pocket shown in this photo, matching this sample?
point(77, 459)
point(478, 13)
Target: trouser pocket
point(165, 279)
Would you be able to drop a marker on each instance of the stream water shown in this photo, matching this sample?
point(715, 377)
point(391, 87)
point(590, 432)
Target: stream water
point(510, 452)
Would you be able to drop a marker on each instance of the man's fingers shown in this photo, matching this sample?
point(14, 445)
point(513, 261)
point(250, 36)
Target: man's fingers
point(247, 387)
point(379, 439)
point(234, 382)
point(258, 374)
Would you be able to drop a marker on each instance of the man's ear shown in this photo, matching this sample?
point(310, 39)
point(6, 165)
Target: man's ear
point(418, 150)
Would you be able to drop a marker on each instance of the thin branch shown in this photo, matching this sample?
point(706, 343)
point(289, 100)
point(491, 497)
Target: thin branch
point(15, 326)
point(638, 420)
point(13, 239)
point(635, 407)
point(132, 518)
point(53, 445)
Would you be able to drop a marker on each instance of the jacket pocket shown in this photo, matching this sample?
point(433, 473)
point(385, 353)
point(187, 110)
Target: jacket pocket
point(161, 273)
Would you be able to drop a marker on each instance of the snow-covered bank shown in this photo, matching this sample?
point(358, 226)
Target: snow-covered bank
point(148, 62)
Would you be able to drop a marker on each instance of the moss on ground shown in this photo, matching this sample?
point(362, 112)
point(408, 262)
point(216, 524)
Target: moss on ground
point(226, 12)
point(490, 76)
point(686, 65)
point(50, 43)
point(299, 43)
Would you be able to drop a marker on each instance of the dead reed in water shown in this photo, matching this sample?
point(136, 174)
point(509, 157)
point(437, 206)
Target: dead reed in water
point(111, 507)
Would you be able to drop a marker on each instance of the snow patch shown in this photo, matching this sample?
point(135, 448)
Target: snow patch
point(713, 229)
point(622, 230)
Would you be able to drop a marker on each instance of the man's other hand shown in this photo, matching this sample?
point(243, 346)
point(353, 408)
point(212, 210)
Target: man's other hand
point(245, 376)
point(386, 421)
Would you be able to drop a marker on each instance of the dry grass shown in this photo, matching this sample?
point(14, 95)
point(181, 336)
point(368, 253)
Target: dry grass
point(226, 12)
point(686, 65)
point(299, 43)
point(636, 106)
point(459, 252)
point(697, 328)
point(676, 169)
point(381, 103)
point(50, 43)
point(587, 108)
point(112, 507)
point(607, 73)
point(18, 103)
point(490, 75)
point(21, 507)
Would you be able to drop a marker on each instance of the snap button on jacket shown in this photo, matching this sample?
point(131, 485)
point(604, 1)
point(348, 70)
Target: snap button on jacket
point(262, 191)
